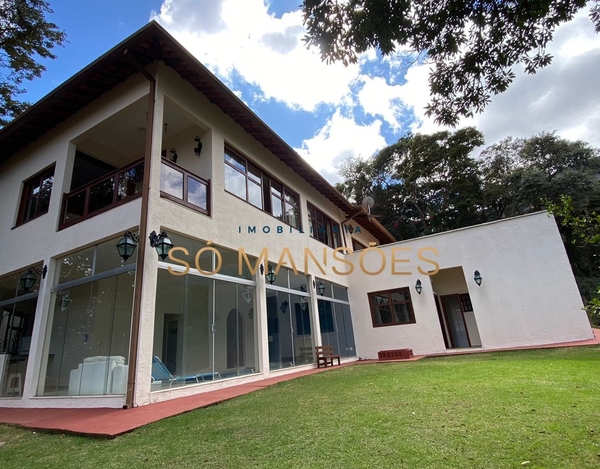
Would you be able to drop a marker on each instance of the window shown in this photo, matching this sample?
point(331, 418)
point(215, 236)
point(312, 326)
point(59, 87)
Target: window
point(465, 301)
point(252, 185)
point(183, 187)
point(35, 198)
point(323, 228)
point(357, 246)
point(390, 308)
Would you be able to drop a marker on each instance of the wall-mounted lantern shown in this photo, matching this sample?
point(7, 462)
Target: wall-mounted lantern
point(418, 286)
point(127, 244)
point(174, 155)
point(161, 243)
point(271, 277)
point(284, 306)
point(477, 277)
point(198, 147)
point(320, 287)
point(29, 278)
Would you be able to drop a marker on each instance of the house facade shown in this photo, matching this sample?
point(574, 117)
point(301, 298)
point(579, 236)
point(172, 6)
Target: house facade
point(235, 257)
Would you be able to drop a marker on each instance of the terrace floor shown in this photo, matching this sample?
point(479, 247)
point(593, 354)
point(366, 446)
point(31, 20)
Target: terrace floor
point(103, 422)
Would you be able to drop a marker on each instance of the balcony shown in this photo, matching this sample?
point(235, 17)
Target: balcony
point(111, 190)
point(184, 187)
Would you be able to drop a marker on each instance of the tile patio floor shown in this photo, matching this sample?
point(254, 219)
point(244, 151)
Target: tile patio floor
point(110, 423)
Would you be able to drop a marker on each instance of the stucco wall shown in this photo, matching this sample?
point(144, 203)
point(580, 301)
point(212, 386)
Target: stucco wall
point(528, 295)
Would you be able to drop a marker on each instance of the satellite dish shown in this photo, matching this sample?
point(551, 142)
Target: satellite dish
point(368, 202)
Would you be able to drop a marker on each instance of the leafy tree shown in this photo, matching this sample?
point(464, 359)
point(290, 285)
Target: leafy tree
point(422, 184)
point(586, 230)
point(25, 37)
point(472, 46)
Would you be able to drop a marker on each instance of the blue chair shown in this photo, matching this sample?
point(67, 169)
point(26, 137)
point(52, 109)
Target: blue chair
point(161, 373)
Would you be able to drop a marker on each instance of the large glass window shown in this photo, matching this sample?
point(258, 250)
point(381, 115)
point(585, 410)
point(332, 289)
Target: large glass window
point(392, 307)
point(35, 198)
point(17, 315)
point(204, 325)
point(335, 320)
point(87, 343)
point(254, 186)
point(323, 228)
point(288, 321)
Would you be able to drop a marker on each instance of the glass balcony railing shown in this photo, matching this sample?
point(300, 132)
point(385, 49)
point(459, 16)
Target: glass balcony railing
point(113, 189)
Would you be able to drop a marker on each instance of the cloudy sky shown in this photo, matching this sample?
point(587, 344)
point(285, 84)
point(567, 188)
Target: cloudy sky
point(329, 112)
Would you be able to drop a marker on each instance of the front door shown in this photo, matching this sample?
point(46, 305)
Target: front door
point(455, 320)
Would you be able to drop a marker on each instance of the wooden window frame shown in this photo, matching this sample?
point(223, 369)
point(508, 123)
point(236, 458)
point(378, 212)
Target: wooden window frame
point(184, 200)
point(329, 225)
point(265, 187)
point(26, 197)
point(391, 302)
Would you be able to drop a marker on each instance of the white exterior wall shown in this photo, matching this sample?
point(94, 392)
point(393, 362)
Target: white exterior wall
point(39, 241)
point(528, 295)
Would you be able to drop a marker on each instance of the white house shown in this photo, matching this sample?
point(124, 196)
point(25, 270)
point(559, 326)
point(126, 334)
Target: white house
point(145, 148)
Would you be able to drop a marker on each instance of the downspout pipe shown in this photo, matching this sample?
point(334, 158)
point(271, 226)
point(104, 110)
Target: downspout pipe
point(143, 234)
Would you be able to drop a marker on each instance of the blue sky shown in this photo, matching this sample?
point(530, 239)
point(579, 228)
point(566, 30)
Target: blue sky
point(329, 112)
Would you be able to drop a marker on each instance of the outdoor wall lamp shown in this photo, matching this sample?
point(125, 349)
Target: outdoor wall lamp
point(477, 277)
point(127, 244)
point(418, 286)
point(320, 287)
point(198, 147)
point(271, 277)
point(161, 243)
point(29, 278)
point(284, 307)
point(174, 155)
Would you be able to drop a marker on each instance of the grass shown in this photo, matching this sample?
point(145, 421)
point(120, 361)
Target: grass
point(500, 410)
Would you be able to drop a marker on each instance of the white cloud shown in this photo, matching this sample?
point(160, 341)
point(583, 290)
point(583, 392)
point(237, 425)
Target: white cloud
point(561, 97)
point(340, 138)
point(266, 51)
point(241, 36)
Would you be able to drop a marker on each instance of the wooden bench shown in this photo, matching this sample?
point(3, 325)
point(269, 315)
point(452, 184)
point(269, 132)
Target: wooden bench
point(325, 356)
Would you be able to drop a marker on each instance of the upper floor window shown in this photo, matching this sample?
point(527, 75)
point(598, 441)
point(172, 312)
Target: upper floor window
point(357, 245)
point(324, 228)
point(35, 198)
point(392, 307)
point(254, 186)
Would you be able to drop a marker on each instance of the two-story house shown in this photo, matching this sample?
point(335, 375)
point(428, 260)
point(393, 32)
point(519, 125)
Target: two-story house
point(160, 240)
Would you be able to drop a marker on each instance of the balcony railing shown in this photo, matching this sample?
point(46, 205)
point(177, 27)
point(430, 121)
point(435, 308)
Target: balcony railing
point(184, 187)
point(105, 193)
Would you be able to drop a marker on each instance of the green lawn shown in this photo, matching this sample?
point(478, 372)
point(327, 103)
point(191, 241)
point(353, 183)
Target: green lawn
point(494, 410)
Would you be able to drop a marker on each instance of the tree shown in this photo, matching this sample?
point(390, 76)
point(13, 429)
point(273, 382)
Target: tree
point(586, 231)
point(25, 38)
point(421, 184)
point(472, 46)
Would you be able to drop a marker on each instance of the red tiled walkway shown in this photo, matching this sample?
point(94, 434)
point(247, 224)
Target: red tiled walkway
point(113, 422)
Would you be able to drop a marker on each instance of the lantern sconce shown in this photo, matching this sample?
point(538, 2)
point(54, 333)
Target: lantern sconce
point(161, 243)
point(284, 306)
point(418, 286)
point(271, 277)
point(127, 244)
point(28, 279)
point(198, 147)
point(174, 155)
point(320, 287)
point(477, 277)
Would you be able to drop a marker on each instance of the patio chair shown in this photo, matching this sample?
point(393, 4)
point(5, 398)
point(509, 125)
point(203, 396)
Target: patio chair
point(161, 373)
